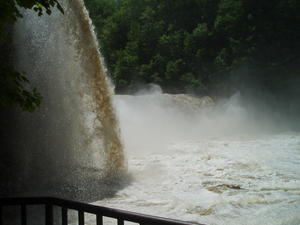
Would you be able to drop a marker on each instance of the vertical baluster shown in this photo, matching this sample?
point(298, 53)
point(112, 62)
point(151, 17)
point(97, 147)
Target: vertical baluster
point(1, 218)
point(64, 216)
point(81, 217)
point(99, 219)
point(49, 214)
point(23, 215)
point(120, 222)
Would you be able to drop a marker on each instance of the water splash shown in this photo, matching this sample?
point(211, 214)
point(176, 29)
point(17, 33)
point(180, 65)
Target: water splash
point(73, 140)
point(95, 68)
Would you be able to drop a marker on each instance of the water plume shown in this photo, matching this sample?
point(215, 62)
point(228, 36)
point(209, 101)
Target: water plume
point(72, 143)
point(94, 67)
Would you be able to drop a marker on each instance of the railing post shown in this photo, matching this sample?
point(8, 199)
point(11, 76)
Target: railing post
point(1, 218)
point(64, 216)
point(23, 215)
point(80, 217)
point(49, 214)
point(99, 219)
point(120, 222)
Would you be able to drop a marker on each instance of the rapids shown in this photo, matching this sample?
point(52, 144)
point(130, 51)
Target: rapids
point(215, 165)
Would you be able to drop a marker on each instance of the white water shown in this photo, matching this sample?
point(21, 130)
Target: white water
point(213, 166)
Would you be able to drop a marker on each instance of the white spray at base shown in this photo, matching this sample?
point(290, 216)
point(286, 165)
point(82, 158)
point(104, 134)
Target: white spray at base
point(73, 138)
point(226, 163)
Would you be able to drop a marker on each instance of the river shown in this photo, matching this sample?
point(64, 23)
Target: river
point(214, 165)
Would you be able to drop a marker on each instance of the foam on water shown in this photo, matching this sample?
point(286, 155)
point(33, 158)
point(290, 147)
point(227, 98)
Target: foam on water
point(237, 181)
point(228, 176)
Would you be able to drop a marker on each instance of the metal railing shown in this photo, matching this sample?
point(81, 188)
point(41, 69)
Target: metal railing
point(49, 203)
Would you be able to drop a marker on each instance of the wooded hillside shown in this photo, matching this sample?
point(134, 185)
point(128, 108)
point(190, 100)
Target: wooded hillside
point(200, 46)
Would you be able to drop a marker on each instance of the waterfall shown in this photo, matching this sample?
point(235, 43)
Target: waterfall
point(73, 138)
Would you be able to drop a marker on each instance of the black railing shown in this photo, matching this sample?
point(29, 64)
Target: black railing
point(49, 203)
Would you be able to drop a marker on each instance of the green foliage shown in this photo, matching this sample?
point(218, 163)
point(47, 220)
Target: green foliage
point(194, 44)
point(14, 85)
point(10, 9)
point(13, 92)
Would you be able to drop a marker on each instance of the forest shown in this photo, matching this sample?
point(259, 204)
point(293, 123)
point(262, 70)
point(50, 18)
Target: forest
point(202, 47)
point(198, 46)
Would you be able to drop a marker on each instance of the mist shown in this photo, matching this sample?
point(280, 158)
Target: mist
point(216, 161)
point(150, 120)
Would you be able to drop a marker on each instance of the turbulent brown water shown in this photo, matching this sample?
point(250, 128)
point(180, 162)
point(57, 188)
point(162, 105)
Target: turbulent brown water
point(94, 67)
point(73, 140)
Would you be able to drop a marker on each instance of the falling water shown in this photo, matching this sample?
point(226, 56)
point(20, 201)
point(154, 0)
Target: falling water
point(73, 140)
point(94, 67)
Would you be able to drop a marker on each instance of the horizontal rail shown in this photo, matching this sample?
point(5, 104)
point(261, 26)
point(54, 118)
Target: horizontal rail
point(99, 211)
